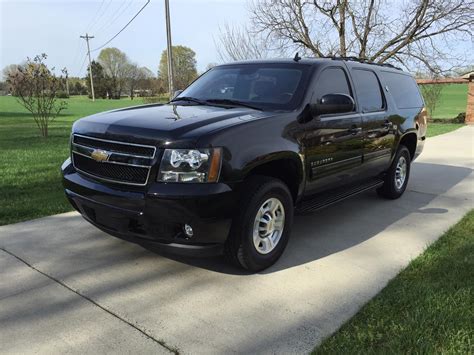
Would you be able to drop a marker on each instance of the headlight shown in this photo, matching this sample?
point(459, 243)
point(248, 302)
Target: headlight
point(190, 165)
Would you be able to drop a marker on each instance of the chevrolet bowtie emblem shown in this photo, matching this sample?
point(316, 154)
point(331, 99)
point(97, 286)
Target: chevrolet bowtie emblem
point(100, 155)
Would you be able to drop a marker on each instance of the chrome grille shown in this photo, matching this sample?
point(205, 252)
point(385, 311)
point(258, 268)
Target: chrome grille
point(112, 161)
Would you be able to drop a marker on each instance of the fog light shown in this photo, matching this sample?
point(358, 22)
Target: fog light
point(188, 230)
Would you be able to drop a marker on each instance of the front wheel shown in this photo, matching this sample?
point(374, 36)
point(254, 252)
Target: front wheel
point(397, 176)
point(261, 227)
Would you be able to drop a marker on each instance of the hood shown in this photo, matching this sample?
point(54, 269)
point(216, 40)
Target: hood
point(160, 124)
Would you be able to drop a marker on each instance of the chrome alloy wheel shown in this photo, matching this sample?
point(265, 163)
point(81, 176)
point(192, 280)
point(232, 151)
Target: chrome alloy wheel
point(268, 225)
point(400, 172)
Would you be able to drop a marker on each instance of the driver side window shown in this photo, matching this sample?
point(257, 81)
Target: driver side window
point(332, 81)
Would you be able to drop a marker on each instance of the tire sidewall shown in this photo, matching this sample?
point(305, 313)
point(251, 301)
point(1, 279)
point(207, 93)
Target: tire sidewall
point(251, 257)
point(406, 154)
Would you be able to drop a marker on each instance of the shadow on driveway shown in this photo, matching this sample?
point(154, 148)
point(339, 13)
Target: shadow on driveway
point(350, 222)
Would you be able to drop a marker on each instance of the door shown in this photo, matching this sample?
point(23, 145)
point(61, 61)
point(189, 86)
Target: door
point(332, 143)
point(377, 128)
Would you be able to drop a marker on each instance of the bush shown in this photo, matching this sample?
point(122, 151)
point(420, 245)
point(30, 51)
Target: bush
point(62, 95)
point(461, 118)
point(36, 88)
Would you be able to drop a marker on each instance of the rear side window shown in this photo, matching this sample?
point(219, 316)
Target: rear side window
point(403, 89)
point(332, 81)
point(368, 90)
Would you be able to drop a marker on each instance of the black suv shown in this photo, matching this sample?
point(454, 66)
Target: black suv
point(225, 164)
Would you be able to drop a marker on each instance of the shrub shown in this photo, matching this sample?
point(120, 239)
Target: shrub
point(62, 95)
point(460, 118)
point(36, 87)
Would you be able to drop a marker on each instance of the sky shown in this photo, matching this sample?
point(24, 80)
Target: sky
point(30, 27)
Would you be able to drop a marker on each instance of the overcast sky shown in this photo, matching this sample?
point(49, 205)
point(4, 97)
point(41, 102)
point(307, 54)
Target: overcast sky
point(30, 27)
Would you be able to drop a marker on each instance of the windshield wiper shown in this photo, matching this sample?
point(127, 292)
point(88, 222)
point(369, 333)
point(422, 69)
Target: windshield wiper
point(189, 99)
point(233, 103)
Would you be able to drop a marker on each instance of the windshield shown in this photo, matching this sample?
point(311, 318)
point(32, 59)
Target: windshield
point(265, 86)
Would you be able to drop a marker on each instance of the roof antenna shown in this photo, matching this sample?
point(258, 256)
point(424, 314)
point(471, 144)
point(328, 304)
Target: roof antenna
point(297, 58)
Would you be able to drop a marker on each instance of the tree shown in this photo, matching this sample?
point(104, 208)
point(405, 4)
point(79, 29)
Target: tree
point(146, 83)
point(101, 82)
point(10, 71)
point(239, 43)
point(419, 32)
point(115, 65)
point(36, 87)
point(184, 67)
point(431, 93)
point(77, 86)
point(138, 79)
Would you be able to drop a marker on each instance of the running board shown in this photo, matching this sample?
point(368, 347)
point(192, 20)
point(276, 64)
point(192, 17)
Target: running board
point(326, 199)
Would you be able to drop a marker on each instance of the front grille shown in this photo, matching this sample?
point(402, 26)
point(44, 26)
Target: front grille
point(115, 172)
point(117, 162)
point(115, 146)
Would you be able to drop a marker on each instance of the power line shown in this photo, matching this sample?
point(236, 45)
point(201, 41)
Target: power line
point(101, 14)
point(95, 15)
point(83, 62)
point(76, 55)
point(92, 23)
point(114, 16)
point(123, 28)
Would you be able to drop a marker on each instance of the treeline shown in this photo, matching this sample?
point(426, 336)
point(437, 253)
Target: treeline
point(116, 76)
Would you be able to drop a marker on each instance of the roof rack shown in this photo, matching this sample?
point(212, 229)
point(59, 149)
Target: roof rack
point(364, 61)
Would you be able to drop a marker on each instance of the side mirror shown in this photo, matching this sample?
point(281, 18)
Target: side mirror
point(333, 103)
point(176, 93)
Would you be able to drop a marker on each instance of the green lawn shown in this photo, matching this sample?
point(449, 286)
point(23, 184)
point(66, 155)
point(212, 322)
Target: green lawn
point(427, 309)
point(435, 129)
point(453, 100)
point(30, 184)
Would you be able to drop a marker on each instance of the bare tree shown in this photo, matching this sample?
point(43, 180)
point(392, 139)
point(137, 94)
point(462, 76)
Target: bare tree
point(137, 78)
point(240, 43)
point(410, 32)
point(36, 88)
point(7, 72)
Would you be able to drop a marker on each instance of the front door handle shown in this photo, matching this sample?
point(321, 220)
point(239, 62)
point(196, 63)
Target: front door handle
point(355, 130)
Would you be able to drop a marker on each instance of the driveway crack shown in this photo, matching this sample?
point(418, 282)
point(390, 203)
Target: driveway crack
point(52, 278)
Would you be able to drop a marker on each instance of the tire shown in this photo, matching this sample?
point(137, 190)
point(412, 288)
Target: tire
point(243, 247)
point(393, 187)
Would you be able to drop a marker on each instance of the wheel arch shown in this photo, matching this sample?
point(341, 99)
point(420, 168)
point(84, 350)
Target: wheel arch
point(409, 140)
point(286, 166)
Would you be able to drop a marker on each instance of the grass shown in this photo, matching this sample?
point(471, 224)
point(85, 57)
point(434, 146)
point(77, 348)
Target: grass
point(453, 100)
point(435, 129)
point(30, 184)
point(427, 309)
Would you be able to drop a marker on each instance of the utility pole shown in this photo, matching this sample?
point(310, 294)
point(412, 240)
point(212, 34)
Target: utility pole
point(87, 38)
point(169, 49)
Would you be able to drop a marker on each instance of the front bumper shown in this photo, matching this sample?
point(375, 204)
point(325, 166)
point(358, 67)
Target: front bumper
point(155, 215)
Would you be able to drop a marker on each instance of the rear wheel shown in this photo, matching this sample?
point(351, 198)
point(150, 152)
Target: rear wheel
point(261, 228)
point(397, 176)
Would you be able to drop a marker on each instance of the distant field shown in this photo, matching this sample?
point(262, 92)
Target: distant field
point(30, 184)
point(453, 101)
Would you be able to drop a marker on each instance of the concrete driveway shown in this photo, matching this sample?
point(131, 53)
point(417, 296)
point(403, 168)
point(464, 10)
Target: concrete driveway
point(67, 287)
